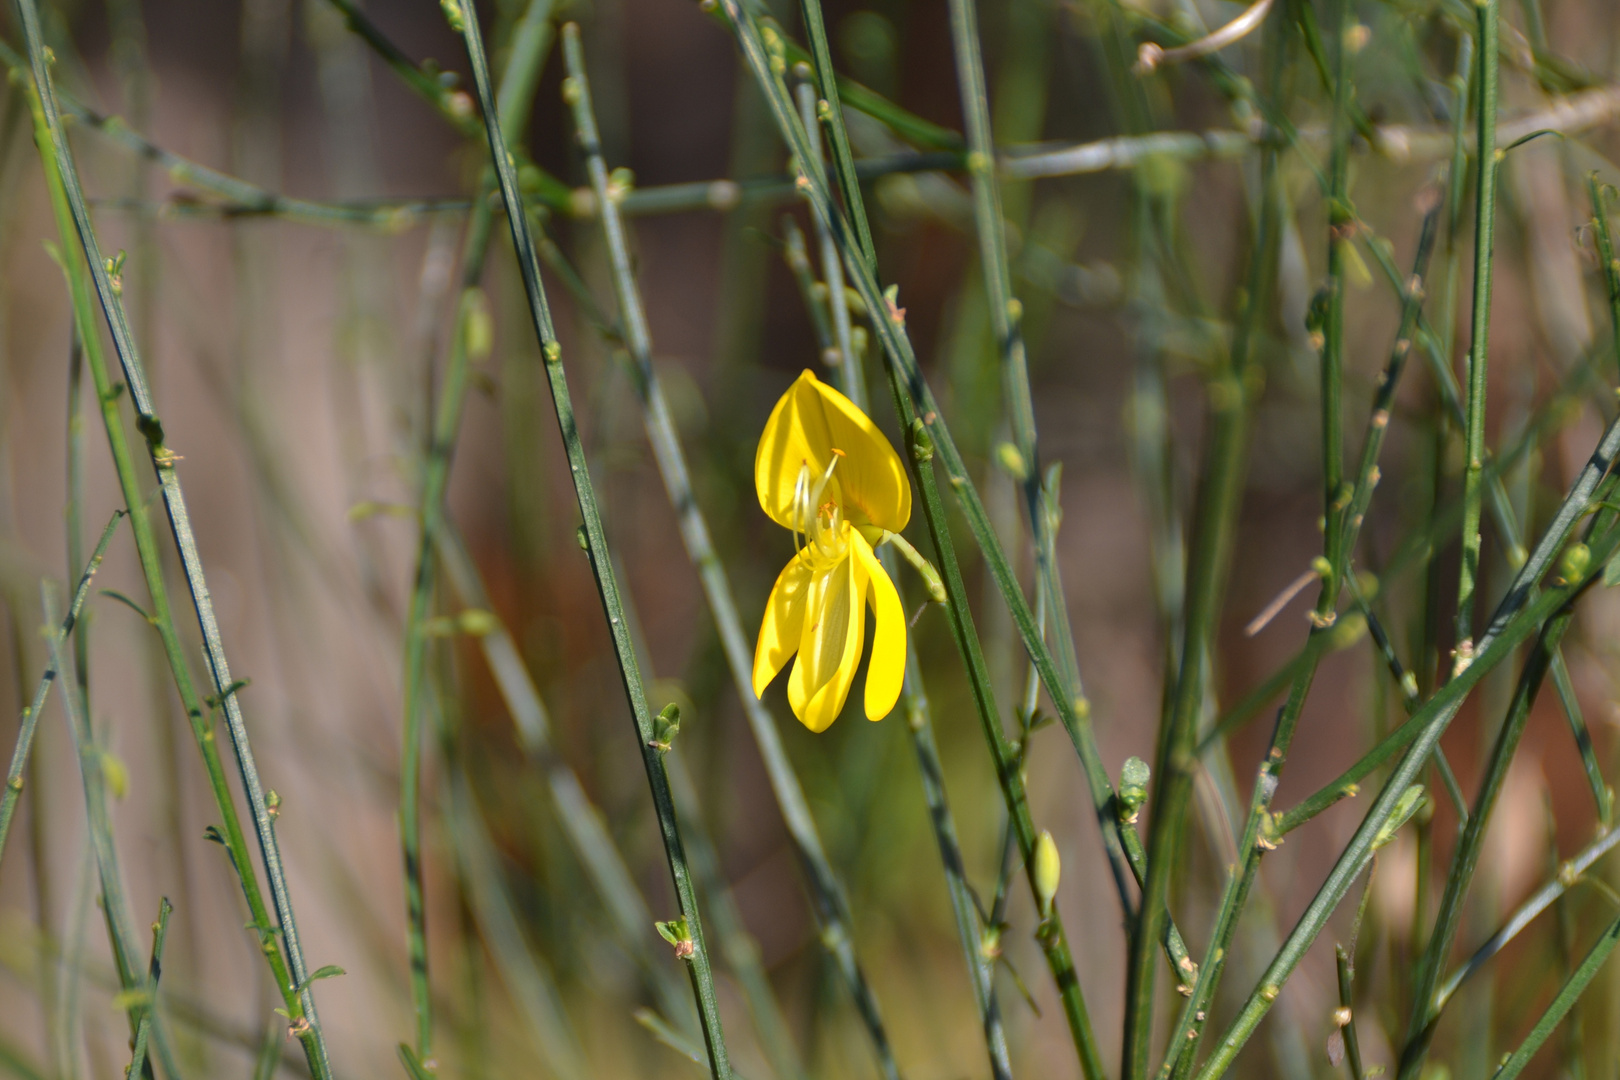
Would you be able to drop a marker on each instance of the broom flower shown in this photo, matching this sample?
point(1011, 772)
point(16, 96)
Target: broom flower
point(826, 473)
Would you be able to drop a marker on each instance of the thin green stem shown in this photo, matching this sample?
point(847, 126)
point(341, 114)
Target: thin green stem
point(93, 773)
point(30, 716)
point(832, 270)
point(830, 108)
point(83, 264)
point(832, 909)
point(889, 325)
point(1421, 1022)
point(1570, 872)
point(1347, 1029)
point(1606, 257)
point(148, 1007)
point(692, 948)
point(851, 378)
point(1568, 994)
point(1515, 618)
point(1008, 763)
point(1485, 155)
point(516, 92)
point(1220, 494)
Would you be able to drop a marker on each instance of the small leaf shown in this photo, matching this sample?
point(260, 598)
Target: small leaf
point(674, 931)
point(132, 605)
point(407, 1058)
point(230, 692)
point(1410, 801)
point(330, 971)
point(666, 725)
point(213, 833)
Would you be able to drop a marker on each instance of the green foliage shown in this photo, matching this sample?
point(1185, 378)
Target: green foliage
point(1177, 322)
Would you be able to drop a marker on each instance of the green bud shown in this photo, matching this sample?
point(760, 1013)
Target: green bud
point(678, 934)
point(666, 725)
point(476, 622)
point(1133, 782)
point(479, 329)
point(1047, 871)
point(1011, 460)
point(1405, 807)
point(1577, 557)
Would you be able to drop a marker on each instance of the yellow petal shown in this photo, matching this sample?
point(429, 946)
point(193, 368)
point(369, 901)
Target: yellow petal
point(807, 425)
point(830, 648)
point(783, 624)
point(886, 671)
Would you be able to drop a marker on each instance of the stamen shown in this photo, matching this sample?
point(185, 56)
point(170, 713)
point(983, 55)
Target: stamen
point(801, 509)
point(821, 485)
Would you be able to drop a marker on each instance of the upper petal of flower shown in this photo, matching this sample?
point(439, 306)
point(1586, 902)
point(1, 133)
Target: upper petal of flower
point(830, 646)
point(886, 671)
point(783, 625)
point(807, 425)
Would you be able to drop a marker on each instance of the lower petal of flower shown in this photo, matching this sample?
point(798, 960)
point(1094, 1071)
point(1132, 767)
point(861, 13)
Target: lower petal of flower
point(887, 669)
point(783, 626)
point(830, 646)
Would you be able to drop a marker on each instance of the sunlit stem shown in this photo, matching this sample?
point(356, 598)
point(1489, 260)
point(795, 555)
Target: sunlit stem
point(930, 576)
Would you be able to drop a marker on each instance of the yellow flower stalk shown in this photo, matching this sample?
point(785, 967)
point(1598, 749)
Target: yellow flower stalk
point(826, 473)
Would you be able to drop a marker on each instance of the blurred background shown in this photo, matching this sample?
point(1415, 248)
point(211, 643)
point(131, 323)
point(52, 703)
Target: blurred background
point(296, 353)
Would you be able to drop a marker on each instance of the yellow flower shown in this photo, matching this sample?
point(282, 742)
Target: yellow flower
point(825, 472)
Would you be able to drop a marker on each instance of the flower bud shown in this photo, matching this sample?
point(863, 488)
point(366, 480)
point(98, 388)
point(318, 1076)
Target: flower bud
point(1047, 871)
point(1572, 567)
point(1133, 781)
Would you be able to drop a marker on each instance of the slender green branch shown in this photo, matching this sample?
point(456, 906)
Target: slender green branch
point(1515, 618)
point(1009, 766)
point(1421, 1022)
point(469, 342)
point(148, 1007)
point(30, 717)
point(977, 939)
point(581, 820)
point(830, 109)
point(93, 773)
point(435, 479)
point(1485, 156)
point(691, 946)
point(831, 907)
point(1228, 406)
point(1568, 994)
point(889, 325)
point(83, 265)
point(1570, 872)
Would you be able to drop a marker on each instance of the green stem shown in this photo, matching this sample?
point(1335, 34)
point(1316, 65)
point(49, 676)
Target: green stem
point(694, 950)
point(1424, 1014)
point(1008, 764)
point(114, 902)
point(516, 91)
point(30, 716)
point(85, 262)
point(851, 378)
point(831, 906)
point(148, 1007)
point(1515, 618)
point(1568, 994)
point(1570, 872)
point(1484, 238)
point(898, 352)
point(1219, 498)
